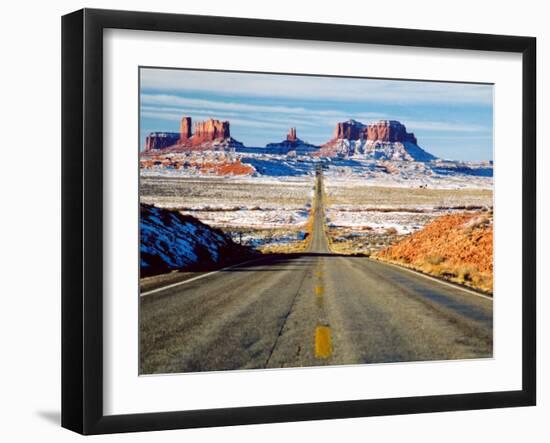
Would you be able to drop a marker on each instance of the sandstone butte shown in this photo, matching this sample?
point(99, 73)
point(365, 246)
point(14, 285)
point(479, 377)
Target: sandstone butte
point(160, 140)
point(383, 131)
point(199, 136)
point(185, 129)
point(209, 131)
point(458, 247)
point(291, 136)
point(206, 132)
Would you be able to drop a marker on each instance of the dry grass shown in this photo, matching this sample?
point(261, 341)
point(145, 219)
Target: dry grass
point(293, 247)
point(363, 241)
point(464, 275)
point(287, 248)
point(197, 192)
point(348, 247)
point(378, 196)
point(458, 248)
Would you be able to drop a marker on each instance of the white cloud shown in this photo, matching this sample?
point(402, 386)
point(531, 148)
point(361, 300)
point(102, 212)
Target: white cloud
point(457, 137)
point(176, 100)
point(315, 88)
point(173, 107)
point(438, 126)
point(173, 116)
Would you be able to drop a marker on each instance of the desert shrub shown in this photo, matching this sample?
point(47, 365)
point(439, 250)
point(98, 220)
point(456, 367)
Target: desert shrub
point(468, 273)
point(448, 274)
point(476, 222)
point(391, 231)
point(435, 259)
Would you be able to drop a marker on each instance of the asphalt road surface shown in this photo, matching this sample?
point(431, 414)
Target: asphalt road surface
point(310, 309)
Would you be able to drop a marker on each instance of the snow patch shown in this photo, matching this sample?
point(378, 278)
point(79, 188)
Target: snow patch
point(169, 240)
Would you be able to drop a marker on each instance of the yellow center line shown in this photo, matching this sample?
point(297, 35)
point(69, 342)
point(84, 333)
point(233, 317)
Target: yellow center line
point(319, 290)
point(323, 342)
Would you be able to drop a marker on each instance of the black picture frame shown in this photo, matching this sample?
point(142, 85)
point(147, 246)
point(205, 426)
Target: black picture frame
point(82, 218)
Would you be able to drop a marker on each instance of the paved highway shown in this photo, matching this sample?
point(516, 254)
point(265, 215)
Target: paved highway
point(310, 309)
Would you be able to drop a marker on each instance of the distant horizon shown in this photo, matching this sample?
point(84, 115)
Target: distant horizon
point(450, 120)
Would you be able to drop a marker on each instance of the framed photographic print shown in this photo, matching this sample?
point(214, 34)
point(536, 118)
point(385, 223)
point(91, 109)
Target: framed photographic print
point(269, 221)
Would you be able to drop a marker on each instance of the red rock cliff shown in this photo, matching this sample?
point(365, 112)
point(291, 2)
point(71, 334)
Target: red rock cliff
point(389, 131)
point(383, 130)
point(291, 136)
point(185, 129)
point(160, 140)
point(209, 134)
point(211, 130)
point(351, 130)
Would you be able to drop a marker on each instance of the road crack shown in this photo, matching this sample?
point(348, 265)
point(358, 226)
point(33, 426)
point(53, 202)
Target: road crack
point(285, 318)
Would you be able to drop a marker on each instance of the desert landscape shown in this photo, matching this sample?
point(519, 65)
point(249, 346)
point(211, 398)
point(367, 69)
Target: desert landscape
point(262, 200)
point(310, 254)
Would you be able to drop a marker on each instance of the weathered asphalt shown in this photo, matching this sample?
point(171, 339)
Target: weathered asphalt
point(310, 309)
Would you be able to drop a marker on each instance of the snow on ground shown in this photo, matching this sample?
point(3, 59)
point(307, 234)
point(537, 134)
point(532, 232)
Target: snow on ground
point(372, 205)
point(276, 166)
point(443, 174)
point(365, 197)
point(244, 202)
point(169, 240)
point(439, 174)
point(259, 239)
point(379, 222)
point(255, 211)
point(258, 218)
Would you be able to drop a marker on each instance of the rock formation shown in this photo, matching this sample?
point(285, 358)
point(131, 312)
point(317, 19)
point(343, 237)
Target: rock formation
point(206, 135)
point(185, 129)
point(210, 130)
point(160, 140)
point(351, 130)
point(384, 140)
point(389, 131)
point(291, 136)
point(383, 130)
point(170, 240)
point(292, 144)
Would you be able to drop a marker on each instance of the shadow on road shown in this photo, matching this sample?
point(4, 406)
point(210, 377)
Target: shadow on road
point(269, 262)
point(263, 262)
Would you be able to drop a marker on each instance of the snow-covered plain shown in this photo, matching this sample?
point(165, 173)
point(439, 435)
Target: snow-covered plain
point(380, 221)
point(256, 218)
point(367, 213)
point(255, 211)
point(365, 197)
point(439, 173)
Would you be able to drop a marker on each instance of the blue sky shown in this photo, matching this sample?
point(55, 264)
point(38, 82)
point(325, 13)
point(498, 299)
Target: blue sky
point(450, 120)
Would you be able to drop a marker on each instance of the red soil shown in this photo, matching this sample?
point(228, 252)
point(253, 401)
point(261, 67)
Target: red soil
point(458, 246)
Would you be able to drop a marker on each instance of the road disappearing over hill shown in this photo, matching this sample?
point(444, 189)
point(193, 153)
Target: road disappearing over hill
point(310, 309)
